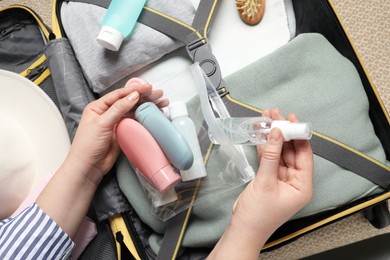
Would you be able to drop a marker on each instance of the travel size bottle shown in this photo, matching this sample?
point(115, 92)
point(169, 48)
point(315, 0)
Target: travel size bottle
point(118, 22)
point(254, 130)
point(167, 136)
point(145, 154)
point(185, 125)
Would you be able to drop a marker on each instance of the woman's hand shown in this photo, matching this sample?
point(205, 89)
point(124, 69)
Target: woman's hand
point(282, 186)
point(95, 149)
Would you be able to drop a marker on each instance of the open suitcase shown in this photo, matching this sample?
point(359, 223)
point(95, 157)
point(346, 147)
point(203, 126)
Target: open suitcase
point(311, 16)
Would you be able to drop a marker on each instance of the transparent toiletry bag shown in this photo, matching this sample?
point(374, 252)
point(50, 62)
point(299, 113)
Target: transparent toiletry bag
point(227, 167)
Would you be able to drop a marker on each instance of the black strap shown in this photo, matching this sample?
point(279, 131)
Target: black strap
point(202, 17)
point(159, 21)
point(177, 29)
point(101, 3)
point(172, 236)
point(352, 160)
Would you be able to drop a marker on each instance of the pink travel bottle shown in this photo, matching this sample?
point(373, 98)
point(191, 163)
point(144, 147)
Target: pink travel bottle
point(145, 154)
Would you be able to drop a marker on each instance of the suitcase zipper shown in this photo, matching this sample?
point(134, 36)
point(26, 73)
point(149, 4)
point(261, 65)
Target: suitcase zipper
point(135, 237)
point(13, 28)
point(45, 29)
point(125, 246)
point(33, 74)
point(38, 71)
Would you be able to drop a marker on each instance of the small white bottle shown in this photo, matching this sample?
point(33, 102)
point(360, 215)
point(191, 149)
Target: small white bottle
point(185, 125)
point(254, 130)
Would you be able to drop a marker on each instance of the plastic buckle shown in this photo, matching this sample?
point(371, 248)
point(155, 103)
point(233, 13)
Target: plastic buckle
point(200, 52)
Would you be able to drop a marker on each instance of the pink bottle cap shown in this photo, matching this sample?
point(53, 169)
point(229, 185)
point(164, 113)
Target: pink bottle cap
point(165, 179)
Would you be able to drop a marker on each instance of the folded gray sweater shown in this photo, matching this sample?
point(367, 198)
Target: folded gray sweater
point(103, 68)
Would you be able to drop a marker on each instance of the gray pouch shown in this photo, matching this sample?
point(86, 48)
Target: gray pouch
point(74, 95)
point(70, 86)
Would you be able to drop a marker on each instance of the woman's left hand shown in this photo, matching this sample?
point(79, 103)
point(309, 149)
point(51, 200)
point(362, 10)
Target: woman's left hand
point(95, 148)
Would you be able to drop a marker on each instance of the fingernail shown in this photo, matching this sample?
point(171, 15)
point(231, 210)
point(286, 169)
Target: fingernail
point(135, 82)
point(132, 84)
point(133, 96)
point(275, 135)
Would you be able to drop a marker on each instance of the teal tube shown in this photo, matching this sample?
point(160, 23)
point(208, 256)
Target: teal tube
point(119, 22)
point(174, 145)
point(123, 15)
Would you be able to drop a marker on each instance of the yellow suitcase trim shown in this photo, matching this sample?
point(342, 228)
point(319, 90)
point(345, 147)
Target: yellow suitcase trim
point(118, 224)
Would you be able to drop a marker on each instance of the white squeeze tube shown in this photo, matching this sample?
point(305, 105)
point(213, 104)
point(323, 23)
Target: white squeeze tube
point(235, 151)
point(186, 127)
point(254, 130)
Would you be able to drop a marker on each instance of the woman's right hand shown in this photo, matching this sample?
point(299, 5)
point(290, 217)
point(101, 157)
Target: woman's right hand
point(282, 186)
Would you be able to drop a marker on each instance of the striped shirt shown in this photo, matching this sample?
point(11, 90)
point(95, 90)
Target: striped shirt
point(33, 235)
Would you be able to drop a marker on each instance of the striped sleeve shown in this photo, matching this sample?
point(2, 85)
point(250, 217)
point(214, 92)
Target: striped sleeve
point(33, 235)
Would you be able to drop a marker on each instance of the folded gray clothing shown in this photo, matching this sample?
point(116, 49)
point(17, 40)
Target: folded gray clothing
point(103, 68)
point(309, 77)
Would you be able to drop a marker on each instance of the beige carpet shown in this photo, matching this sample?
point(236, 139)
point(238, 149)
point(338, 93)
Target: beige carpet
point(368, 25)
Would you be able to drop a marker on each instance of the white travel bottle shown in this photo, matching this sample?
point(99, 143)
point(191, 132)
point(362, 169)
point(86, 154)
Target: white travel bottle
point(185, 125)
point(254, 130)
